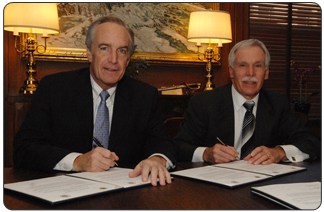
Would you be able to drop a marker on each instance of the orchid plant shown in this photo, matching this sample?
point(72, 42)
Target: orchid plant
point(302, 76)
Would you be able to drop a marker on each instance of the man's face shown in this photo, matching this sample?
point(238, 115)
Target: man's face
point(109, 55)
point(249, 72)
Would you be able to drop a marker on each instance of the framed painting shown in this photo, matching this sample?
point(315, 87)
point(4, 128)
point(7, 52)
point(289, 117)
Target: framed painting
point(160, 30)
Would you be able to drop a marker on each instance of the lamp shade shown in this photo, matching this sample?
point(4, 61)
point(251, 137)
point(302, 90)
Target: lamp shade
point(212, 26)
point(41, 18)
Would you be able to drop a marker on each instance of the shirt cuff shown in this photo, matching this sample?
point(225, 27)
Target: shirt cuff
point(169, 164)
point(294, 154)
point(198, 154)
point(66, 164)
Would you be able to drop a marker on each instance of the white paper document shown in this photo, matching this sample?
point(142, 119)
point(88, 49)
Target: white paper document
point(227, 177)
point(306, 196)
point(116, 176)
point(237, 173)
point(66, 187)
point(273, 169)
point(60, 188)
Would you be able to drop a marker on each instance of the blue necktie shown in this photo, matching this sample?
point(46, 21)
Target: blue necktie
point(101, 128)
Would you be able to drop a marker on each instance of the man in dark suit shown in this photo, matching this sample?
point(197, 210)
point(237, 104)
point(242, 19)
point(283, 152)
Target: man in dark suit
point(217, 116)
point(59, 129)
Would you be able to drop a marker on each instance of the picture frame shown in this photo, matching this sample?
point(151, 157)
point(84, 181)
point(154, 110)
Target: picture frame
point(83, 15)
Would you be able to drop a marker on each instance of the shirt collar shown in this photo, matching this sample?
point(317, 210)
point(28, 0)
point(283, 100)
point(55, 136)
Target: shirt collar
point(238, 99)
point(96, 89)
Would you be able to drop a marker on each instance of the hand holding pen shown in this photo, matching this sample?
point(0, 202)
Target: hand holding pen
point(99, 144)
point(237, 158)
point(96, 160)
point(220, 153)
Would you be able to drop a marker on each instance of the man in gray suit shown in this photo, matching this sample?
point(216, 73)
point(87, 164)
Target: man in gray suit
point(274, 135)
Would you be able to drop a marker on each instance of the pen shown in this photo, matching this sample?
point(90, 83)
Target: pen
point(98, 143)
point(237, 158)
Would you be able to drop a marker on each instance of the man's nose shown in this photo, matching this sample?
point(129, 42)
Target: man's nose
point(113, 57)
point(251, 71)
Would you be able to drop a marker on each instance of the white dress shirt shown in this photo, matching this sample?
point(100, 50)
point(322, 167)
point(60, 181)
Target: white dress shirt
point(66, 164)
point(293, 153)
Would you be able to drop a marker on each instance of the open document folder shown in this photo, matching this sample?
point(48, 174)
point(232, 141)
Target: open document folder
point(79, 185)
point(306, 196)
point(236, 173)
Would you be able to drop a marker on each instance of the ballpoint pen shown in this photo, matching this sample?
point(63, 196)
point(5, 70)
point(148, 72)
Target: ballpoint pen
point(98, 143)
point(237, 158)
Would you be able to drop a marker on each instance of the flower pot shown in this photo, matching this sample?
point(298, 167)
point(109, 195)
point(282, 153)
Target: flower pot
point(302, 107)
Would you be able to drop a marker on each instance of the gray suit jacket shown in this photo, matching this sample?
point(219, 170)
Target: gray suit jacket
point(210, 115)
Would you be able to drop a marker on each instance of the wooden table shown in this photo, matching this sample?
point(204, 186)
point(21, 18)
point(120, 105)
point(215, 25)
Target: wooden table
point(181, 194)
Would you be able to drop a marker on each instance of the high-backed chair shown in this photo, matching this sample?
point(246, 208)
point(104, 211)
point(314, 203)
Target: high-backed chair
point(172, 125)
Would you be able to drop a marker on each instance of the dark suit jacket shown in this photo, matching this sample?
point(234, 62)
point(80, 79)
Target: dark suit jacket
point(211, 114)
point(61, 121)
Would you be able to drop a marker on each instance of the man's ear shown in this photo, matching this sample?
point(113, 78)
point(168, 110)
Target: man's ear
point(231, 72)
point(266, 75)
point(89, 55)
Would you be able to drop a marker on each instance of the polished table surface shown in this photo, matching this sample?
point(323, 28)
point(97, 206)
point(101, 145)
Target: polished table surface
point(182, 193)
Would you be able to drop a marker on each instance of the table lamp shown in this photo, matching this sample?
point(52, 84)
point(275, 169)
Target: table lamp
point(32, 18)
point(212, 27)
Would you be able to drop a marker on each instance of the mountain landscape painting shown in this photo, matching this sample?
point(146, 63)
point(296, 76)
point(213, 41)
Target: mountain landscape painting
point(158, 27)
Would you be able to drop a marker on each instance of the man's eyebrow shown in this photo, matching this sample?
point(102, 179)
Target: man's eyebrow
point(247, 62)
point(106, 44)
point(122, 47)
point(103, 44)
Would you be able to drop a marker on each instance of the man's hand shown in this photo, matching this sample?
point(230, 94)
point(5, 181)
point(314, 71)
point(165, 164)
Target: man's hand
point(264, 155)
point(220, 154)
point(97, 160)
point(154, 165)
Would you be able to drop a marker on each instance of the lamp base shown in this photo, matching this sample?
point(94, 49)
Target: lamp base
point(209, 87)
point(29, 87)
point(209, 76)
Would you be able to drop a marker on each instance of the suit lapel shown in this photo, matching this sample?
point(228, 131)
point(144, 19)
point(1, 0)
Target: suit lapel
point(227, 116)
point(262, 120)
point(222, 116)
point(82, 95)
point(121, 112)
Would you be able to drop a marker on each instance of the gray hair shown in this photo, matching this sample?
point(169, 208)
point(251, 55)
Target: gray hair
point(105, 19)
point(249, 43)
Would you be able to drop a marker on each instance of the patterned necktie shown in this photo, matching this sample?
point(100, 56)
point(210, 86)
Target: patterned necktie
point(101, 128)
point(248, 129)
